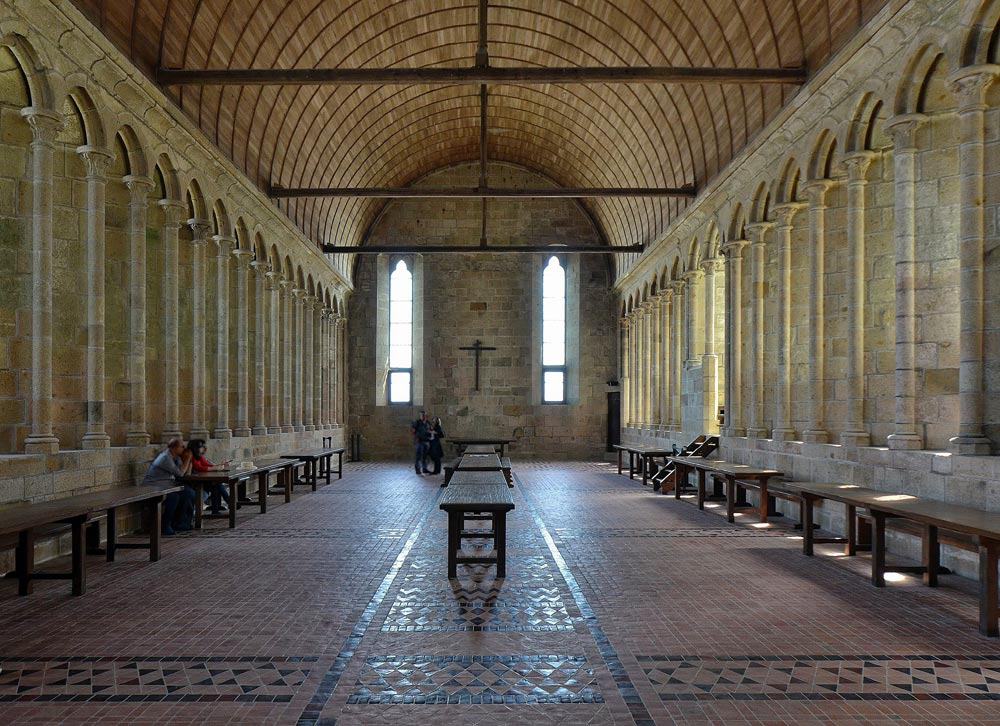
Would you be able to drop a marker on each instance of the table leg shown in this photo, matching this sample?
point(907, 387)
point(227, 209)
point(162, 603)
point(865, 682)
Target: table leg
point(701, 488)
point(455, 521)
point(680, 478)
point(25, 557)
point(199, 504)
point(154, 532)
point(730, 499)
point(500, 542)
point(851, 547)
point(932, 555)
point(234, 498)
point(312, 473)
point(989, 610)
point(109, 548)
point(79, 560)
point(645, 468)
point(808, 503)
point(765, 501)
point(286, 479)
point(878, 549)
point(340, 464)
point(619, 462)
point(262, 490)
point(631, 465)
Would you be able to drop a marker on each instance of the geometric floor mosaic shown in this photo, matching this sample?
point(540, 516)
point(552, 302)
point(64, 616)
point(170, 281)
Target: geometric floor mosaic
point(858, 677)
point(478, 618)
point(152, 679)
point(479, 679)
point(609, 533)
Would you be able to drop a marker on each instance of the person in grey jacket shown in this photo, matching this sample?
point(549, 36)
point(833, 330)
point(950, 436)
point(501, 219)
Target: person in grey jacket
point(168, 466)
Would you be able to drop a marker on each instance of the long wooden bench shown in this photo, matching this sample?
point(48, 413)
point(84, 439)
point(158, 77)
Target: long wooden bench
point(318, 465)
point(640, 458)
point(665, 479)
point(502, 464)
point(726, 471)
point(23, 521)
point(460, 501)
point(983, 528)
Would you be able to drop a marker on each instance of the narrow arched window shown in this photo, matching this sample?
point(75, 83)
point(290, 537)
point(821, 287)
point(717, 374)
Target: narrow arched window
point(401, 334)
point(554, 332)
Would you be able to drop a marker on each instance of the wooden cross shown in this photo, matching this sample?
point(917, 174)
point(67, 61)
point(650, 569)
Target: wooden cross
point(477, 348)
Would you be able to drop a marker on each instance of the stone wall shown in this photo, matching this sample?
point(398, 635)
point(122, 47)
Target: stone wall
point(492, 298)
point(876, 156)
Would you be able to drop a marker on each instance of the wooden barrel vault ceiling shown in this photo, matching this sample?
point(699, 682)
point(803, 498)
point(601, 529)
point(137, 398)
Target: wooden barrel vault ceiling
point(604, 135)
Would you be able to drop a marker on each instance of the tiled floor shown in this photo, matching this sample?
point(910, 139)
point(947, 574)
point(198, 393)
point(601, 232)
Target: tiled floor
point(620, 606)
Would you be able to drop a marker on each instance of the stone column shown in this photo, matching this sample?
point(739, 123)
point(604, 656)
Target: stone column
point(709, 358)
point(635, 332)
point(647, 364)
point(855, 433)
point(664, 359)
point(319, 355)
point(298, 296)
point(308, 361)
point(625, 383)
point(656, 362)
point(261, 269)
point(286, 356)
point(138, 206)
point(97, 161)
point(274, 351)
point(904, 130)
point(340, 376)
point(324, 370)
point(678, 346)
point(758, 241)
point(970, 86)
point(243, 258)
point(817, 190)
point(695, 288)
point(733, 251)
point(173, 213)
point(783, 430)
point(224, 253)
point(45, 126)
point(199, 241)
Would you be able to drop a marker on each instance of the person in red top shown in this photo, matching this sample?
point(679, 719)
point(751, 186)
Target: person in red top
point(200, 463)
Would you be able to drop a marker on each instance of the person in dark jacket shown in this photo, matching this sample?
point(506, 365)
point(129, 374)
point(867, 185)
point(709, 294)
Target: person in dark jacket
point(421, 430)
point(435, 450)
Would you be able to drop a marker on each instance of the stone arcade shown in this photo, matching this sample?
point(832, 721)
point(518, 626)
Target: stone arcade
point(765, 232)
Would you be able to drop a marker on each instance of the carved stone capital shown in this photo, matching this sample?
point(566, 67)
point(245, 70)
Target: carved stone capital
point(691, 277)
point(199, 231)
point(243, 258)
point(816, 190)
point(139, 188)
point(223, 245)
point(903, 129)
point(734, 248)
point(261, 268)
point(758, 232)
point(970, 84)
point(786, 212)
point(712, 265)
point(45, 125)
point(97, 161)
point(856, 164)
point(173, 211)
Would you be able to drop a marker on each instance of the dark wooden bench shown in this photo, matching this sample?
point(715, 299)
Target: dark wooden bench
point(771, 489)
point(449, 470)
point(983, 529)
point(23, 521)
point(463, 444)
point(318, 465)
point(460, 501)
point(664, 479)
point(640, 459)
point(724, 471)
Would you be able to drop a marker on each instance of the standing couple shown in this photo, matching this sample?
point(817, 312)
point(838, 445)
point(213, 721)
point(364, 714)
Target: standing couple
point(427, 437)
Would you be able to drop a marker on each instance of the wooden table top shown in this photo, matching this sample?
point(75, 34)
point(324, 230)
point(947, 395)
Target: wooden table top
point(840, 492)
point(488, 498)
point(643, 449)
point(485, 441)
point(723, 467)
point(25, 515)
point(311, 454)
point(479, 462)
point(480, 449)
point(477, 478)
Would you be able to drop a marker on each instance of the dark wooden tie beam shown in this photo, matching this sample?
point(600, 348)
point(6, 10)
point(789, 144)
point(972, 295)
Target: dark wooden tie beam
point(476, 75)
point(482, 192)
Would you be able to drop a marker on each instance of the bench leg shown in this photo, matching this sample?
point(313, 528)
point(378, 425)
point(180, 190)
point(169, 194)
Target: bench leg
point(701, 489)
point(851, 546)
point(79, 560)
point(287, 475)
point(500, 542)
point(878, 549)
point(340, 464)
point(807, 524)
point(262, 491)
point(199, 504)
point(112, 542)
point(455, 521)
point(312, 474)
point(932, 555)
point(234, 498)
point(766, 501)
point(25, 557)
point(645, 469)
point(154, 531)
point(680, 479)
point(989, 610)
point(619, 462)
point(730, 499)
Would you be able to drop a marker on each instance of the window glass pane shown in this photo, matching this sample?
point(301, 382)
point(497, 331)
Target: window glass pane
point(401, 311)
point(553, 309)
point(401, 283)
point(553, 387)
point(399, 387)
point(400, 334)
point(554, 279)
point(400, 356)
point(554, 331)
point(553, 354)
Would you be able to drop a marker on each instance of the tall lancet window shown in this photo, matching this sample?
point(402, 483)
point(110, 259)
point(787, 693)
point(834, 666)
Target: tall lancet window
point(554, 332)
point(401, 334)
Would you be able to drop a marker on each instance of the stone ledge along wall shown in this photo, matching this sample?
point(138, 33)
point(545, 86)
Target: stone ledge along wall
point(489, 297)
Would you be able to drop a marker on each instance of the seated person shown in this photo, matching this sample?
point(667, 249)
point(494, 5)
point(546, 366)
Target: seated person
point(214, 493)
point(167, 467)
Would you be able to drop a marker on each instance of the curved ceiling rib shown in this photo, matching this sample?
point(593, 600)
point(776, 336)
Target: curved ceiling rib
point(578, 135)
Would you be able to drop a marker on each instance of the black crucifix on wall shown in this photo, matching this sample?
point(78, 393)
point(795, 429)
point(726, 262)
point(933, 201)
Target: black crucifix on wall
point(477, 348)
